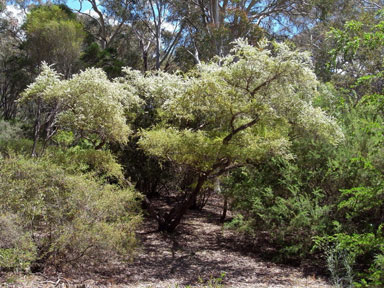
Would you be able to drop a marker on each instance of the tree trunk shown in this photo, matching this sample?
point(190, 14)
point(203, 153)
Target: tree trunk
point(194, 205)
point(36, 131)
point(158, 45)
point(145, 60)
point(215, 19)
point(225, 208)
point(215, 14)
point(173, 218)
point(144, 56)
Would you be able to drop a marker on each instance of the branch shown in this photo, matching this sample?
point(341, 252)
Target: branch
point(82, 13)
point(123, 19)
point(225, 169)
point(148, 26)
point(81, 254)
point(239, 129)
point(154, 14)
point(253, 92)
point(116, 31)
point(250, 6)
point(172, 45)
point(234, 118)
point(196, 54)
point(374, 4)
point(99, 21)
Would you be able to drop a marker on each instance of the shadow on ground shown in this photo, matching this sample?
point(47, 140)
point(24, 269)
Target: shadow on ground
point(198, 253)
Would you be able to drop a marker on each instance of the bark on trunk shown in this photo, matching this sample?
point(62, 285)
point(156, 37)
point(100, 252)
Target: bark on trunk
point(36, 131)
point(145, 60)
point(225, 208)
point(158, 45)
point(171, 220)
point(215, 12)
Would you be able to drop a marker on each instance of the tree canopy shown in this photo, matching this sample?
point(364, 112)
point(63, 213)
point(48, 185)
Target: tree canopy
point(54, 35)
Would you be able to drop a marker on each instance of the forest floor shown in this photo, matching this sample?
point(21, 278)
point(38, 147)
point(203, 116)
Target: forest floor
point(199, 254)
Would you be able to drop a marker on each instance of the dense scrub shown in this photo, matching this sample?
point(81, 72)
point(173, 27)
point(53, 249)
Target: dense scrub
point(293, 141)
point(52, 216)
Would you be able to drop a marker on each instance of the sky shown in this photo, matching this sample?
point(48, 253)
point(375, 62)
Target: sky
point(19, 14)
point(74, 4)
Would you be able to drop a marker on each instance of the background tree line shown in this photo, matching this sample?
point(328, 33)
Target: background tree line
point(288, 124)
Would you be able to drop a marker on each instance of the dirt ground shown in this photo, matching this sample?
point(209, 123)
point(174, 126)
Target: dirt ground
point(199, 254)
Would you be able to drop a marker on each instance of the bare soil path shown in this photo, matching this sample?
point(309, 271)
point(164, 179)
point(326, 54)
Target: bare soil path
point(200, 253)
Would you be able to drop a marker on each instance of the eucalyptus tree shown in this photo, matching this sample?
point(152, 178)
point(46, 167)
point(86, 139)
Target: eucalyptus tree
point(106, 18)
point(14, 75)
point(236, 110)
point(211, 25)
point(14, 78)
point(333, 17)
point(158, 30)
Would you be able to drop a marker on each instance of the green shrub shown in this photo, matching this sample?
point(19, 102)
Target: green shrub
point(73, 159)
point(13, 139)
point(354, 260)
point(77, 159)
point(68, 216)
point(17, 249)
point(376, 272)
point(276, 198)
point(9, 131)
point(19, 146)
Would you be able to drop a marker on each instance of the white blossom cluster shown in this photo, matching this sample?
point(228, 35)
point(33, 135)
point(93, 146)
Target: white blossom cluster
point(238, 107)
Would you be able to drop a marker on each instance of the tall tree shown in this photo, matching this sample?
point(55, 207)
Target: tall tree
point(55, 36)
point(158, 29)
point(332, 15)
point(14, 72)
point(213, 25)
point(108, 17)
